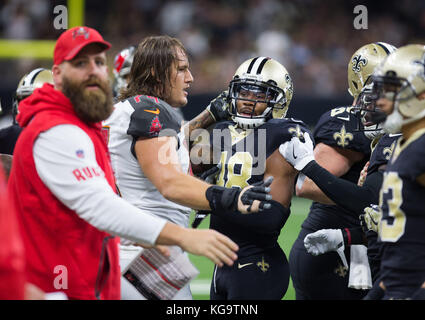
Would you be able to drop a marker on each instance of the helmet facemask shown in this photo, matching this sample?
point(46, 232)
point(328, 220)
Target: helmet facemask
point(255, 92)
point(398, 90)
point(369, 116)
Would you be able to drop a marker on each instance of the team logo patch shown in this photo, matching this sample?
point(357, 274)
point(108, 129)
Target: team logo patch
point(341, 270)
point(358, 61)
point(343, 137)
point(263, 265)
point(156, 126)
point(80, 153)
point(388, 151)
point(81, 32)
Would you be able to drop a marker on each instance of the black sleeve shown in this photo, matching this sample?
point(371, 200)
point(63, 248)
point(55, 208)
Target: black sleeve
point(354, 236)
point(266, 221)
point(345, 193)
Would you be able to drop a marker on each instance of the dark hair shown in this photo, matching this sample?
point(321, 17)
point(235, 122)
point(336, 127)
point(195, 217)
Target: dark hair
point(151, 67)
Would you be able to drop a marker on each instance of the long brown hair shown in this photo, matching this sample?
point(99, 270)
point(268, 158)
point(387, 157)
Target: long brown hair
point(151, 67)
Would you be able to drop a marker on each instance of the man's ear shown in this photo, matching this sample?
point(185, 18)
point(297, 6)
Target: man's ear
point(57, 76)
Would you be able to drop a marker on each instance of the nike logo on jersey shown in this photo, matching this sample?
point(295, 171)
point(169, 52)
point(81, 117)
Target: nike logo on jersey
point(153, 111)
point(240, 266)
point(344, 118)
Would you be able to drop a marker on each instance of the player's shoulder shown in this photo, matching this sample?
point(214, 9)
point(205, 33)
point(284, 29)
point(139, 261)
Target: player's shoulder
point(279, 131)
point(284, 126)
point(388, 140)
point(151, 116)
point(221, 125)
point(413, 149)
point(337, 116)
point(408, 156)
point(337, 127)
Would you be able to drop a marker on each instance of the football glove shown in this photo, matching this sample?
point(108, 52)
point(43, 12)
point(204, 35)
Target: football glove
point(371, 218)
point(219, 107)
point(326, 240)
point(210, 175)
point(298, 153)
point(250, 199)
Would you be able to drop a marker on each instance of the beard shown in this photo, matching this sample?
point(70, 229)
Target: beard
point(89, 105)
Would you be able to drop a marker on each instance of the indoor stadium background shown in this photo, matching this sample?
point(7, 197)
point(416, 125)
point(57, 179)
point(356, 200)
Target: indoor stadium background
point(314, 39)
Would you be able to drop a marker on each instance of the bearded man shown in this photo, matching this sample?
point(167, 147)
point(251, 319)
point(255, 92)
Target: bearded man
point(63, 188)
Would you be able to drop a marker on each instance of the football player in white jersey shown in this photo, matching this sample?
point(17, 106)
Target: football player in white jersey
point(148, 151)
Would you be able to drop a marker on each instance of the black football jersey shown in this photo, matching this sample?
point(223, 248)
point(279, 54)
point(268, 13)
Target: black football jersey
point(402, 200)
point(8, 138)
point(337, 128)
point(243, 155)
point(382, 151)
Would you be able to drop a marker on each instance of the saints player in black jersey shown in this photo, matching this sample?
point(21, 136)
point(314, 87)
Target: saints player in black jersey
point(246, 148)
point(354, 198)
point(343, 151)
point(400, 84)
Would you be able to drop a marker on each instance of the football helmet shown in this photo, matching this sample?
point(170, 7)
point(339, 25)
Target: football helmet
point(362, 64)
point(28, 83)
point(369, 117)
point(122, 67)
point(401, 78)
point(268, 82)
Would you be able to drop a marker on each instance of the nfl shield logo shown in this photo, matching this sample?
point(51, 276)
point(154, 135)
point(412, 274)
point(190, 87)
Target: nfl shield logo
point(80, 153)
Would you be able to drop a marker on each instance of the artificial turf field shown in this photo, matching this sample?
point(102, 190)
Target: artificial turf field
point(201, 284)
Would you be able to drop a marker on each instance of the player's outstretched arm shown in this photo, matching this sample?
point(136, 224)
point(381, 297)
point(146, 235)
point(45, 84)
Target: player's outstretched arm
point(208, 243)
point(342, 192)
point(160, 163)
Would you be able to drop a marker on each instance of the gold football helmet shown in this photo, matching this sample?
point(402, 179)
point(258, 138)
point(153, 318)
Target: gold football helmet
point(271, 83)
point(362, 64)
point(401, 78)
point(28, 83)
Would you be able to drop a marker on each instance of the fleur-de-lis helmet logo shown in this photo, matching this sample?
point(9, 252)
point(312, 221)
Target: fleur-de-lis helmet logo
point(358, 61)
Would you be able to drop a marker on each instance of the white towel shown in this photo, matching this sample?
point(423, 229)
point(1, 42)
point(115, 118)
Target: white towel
point(360, 276)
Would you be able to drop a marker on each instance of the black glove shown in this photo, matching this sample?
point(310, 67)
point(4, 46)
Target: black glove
point(232, 199)
point(210, 175)
point(219, 107)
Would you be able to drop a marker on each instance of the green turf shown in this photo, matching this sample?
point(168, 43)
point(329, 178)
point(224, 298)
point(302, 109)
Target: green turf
point(299, 210)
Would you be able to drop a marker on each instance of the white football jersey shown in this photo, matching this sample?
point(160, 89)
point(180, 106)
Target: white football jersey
point(133, 185)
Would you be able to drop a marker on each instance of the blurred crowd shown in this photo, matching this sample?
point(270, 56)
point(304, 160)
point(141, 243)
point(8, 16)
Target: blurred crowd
point(313, 39)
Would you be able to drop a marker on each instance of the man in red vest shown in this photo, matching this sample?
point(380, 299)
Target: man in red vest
point(63, 187)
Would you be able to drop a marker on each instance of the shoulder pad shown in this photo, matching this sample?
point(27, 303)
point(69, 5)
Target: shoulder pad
point(338, 128)
point(151, 117)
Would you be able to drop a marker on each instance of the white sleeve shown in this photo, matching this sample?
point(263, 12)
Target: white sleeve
point(65, 161)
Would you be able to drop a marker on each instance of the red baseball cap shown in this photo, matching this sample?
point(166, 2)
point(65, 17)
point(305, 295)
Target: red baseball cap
point(73, 40)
